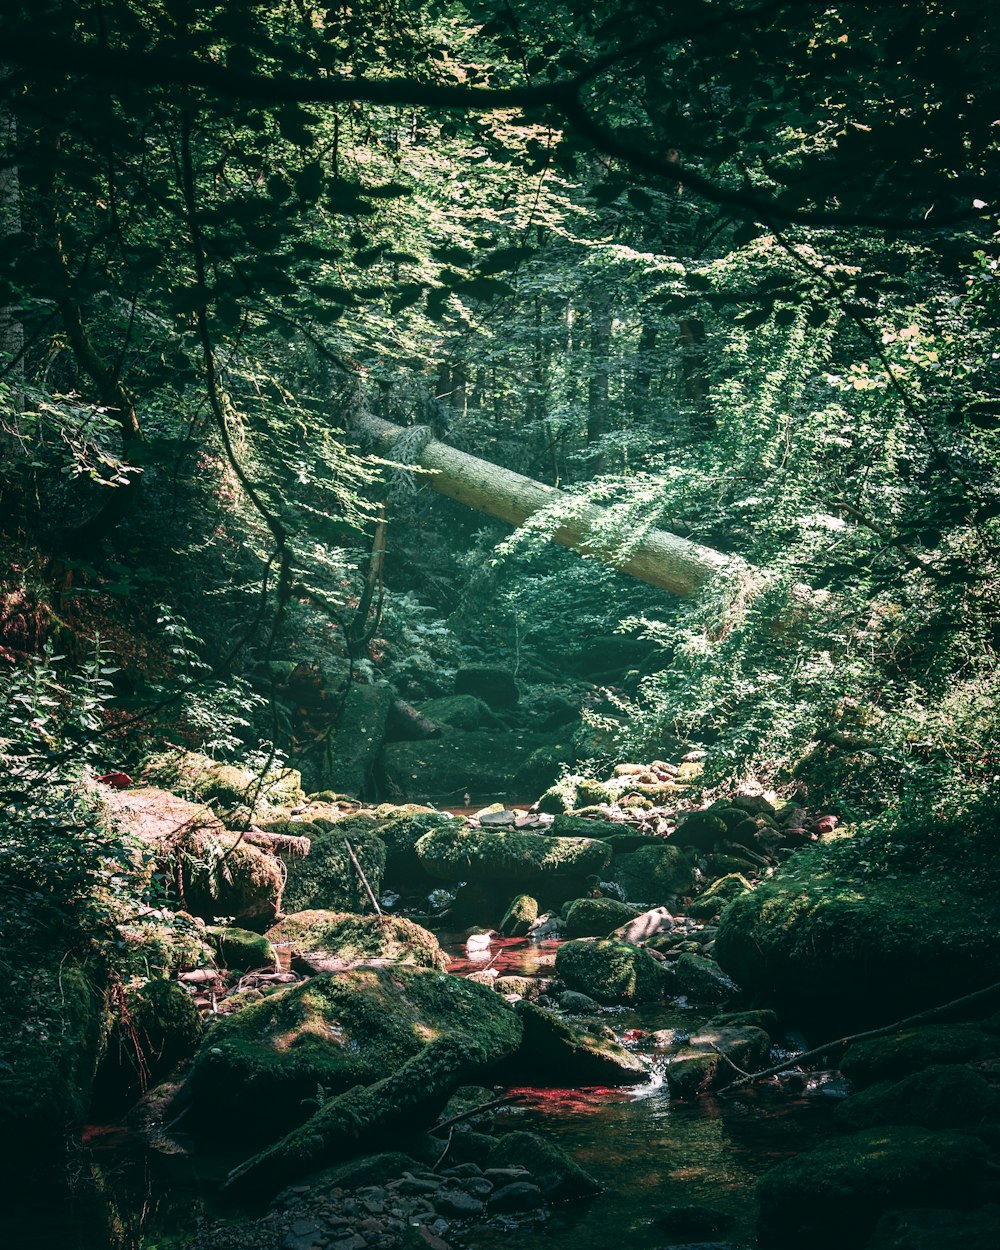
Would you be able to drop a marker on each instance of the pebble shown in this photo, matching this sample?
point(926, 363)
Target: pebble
point(517, 1196)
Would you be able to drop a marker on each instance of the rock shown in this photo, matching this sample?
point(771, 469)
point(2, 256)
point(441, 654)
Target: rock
point(239, 949)
point(833, 1196)
point(456, 1202)
point(699, 1065)
point(947, 1096)
point(647, 925)
point(482, 764)
point(495, 686)
point(923, 1229)
point(481, 855)
point(367, 1114)
point(701, 979)
point(577, 1004)
point(701, 830)
point(225, 876)
point(692, 1221)
point(573, 791)
point(653, 874)
point(326, 878)
point(719, 893)
point(356, 939)
point(570, 825)
point(519, 917)
point(358, 740)
point(596, 917)
point(461, 711)
point(554, 1051)
point(556, 1174)
point(544, 710)
point(510, 985)
point(610, 971)
point(516, 1196)
point(899, 1054)
point(258, 1070)
point(401, 833)
point(761, 1018)
point(231, 785)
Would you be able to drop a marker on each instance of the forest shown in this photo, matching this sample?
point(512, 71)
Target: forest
point(499, 625)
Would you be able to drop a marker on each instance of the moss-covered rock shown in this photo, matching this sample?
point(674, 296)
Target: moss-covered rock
point(519, 916)
point(359, 939)
point(701, 830)
point(556, 1052)
point(597, 917)
point(571, 792)
point(197, 777)
point(816, 935)
point(483, 764)
point(700, 978)
point(700, 1065)
point(945, 1095)
point(52, 1024)
point(154, 1027)
point(366, 1115)
point(757, 1018)
point(461, 711)
point(162, 947)
point(239, 949)
point(326, 878)
point(653, 874)
point(358, 740)
point(833, 1196)
point(401, 834)
point(495, 686)
point(572, 825)
point(610, 971)
point(258, 1069)
point(559, 1176)
point(719, 893)
point(899, 1054)
point(223, 875)
point(465, 854)
point(929, 1229)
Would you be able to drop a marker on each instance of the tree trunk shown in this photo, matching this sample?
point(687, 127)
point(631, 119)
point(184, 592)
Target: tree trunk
point(661, 559)
point(11, 331)
point(600, 364)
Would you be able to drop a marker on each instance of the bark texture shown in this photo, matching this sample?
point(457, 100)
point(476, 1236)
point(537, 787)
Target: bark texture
point(660, 558)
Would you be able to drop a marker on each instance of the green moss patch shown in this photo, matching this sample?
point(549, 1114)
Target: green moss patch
point(239, 949)
point(653, 874)
point(230, 785)
point(326, 878)
point(359, 939)
point(899, 1054)
point(946, 1096)
point(610, 971)
point(597, 917)
point(483, 855)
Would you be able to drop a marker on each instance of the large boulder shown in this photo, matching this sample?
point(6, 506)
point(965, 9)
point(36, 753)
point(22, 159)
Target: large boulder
point(358, 740)
point(326, 878)
point(352, 940)
point(461, 711)
point(714, 1057)
point(817, 937)
point(899, 1054)
point(401, 833)
point(484, 765)
point(610, 971)
point(557, 1052)
point(495, 686)
point(597, 917)
point(259, 1069)
point(944, 1095)
point(833, 1197)
point(560, 1177)
point(461, 853)
point(205, 780)
point(653, 874)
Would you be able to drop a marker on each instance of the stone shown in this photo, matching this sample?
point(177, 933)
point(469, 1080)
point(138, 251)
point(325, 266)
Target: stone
point(557, 1175)
point(326, 878)
point(596, 917)
point(701, 830)
point(353, 939)
point(495, 686)
point(519, 917)
point(239, 949)
point(231, 785)
point(645, 926)
point(722, 891)
point(899, 1054)
point(461, 711)
point(929, 1229)
point(481, 855)
point(556, 1051)
point(480, 764)
point(358, 739)
point(947, 1096)
point(655, 874)
point(701, 978)
point(577, 1004)
point(610, 971)
point(456, 1202)
point(516, 1196)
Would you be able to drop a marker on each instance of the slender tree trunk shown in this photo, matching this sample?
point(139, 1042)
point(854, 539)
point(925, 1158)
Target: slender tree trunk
point(597, 388)
point(11, 329)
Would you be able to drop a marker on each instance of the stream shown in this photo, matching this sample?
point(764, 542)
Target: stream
point(650, 1154)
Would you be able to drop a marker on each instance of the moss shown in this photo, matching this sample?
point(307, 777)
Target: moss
point(257, 1069)
point(760, 1018)
point(240, 950)
point(833, 1196)
point(701, 830)
point(556, 1052)
point(571, 792)
point(224, 876)
point(945, 1095)
point(156, 1026)
point(559, 1176)
point(610, 971)
point(576, 826)
point(198, 777)
point(900, 1054)
point(521, 986)
point(653, 874)
point(461, 711)
point(160, 948)
point(464, 854)
point(365, 1116)
point(326, 878)
point(359, 939)
point(402, 833)
point(718, 894)
point(921, 1229)
point(597, 917)
point(700, 978)
point(817, 934)
point(519, 916)
point(700, 1066)
point(52, 1024)
point(358, 740)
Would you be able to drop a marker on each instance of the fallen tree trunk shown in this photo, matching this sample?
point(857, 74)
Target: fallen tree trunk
point(659, 558)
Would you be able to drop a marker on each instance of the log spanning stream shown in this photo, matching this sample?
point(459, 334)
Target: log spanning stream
point(651, 1155)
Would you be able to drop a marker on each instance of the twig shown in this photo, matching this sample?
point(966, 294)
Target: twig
point(921, 1018)
point(364, 879)
point(467, 1115)
point(722, 1055)
point(447, 1147)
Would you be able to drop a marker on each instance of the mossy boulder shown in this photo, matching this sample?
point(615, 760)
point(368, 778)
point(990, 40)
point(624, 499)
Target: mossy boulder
point(928, 1229)
point(818, 937)
point(909, 1050)
point(224, 875)
point(359, 939)
point(239, 949)
point(701, 831)
point(482, 764)
point(519, 916)
point(653, 874)
point(701, 1064)
point(495, 686)
point(944, 1095)
point(402, 833)
point(485, 855)
point(198, 777)
point(597, 917)
point(571, 825)
point(258, 1070)
point(833, 1197)
point(326, 878)
point(700, 978)
point(358, 739)
point(162, 947)
point(461, 711)
point(156, 1026)
point(559, 1177)
point(571, 792)
point(722, 891)
point(610, 971)
point(557, 1052)
point(53, 1021)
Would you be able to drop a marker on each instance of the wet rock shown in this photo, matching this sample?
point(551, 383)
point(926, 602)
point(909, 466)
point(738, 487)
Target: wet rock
point(495, 686)
point(653, 874)
point(577, 1003)
point(458, 1203)
point(557, 1175)
point(947, 1096)
point(554, 1051)
point(834, 1196)
point(516, 1196)
point(701, 979)
point(350, 939)
point(239, 949)
point(519, 917)
point(401, 833)
point(761, 1018)
point(645, 926)
point(480, 855)
point(596, 917)
point(899, 1054)
point(719, 893)
point(610, 971)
